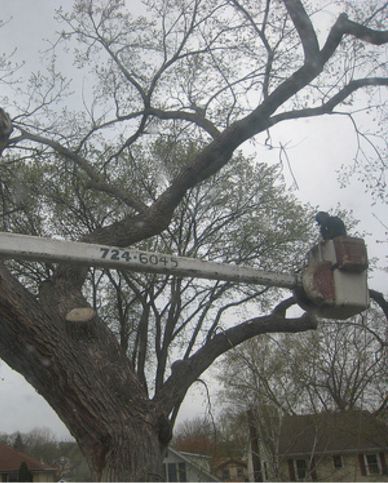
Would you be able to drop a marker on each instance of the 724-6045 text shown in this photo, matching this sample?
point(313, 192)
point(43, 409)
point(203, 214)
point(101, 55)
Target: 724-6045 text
point(142, 257)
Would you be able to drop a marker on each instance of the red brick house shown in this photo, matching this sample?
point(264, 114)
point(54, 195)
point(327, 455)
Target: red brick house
point(11, 461)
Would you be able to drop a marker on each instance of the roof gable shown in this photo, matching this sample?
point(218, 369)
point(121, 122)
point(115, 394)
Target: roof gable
point(185, 457)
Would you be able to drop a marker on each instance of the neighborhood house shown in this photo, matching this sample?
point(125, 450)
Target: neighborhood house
point(17, 466)
point(181, 466)
point(331, 446)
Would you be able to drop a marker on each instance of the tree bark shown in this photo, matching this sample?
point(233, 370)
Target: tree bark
point(5, 129)
point(90, 384)
point(378, 297)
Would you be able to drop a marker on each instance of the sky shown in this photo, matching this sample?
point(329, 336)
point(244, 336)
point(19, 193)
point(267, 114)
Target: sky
point(326, 143)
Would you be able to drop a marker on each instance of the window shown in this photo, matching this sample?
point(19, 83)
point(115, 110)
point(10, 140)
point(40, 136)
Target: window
point(175, 472)
point(300, 469)
point(372, 464)
point(172, 473)
point(182, 472)
point(338, 462)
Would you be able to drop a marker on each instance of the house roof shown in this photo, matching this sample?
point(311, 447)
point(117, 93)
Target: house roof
point(346, 431)
point(186, 458)
point(193, 455)
point(10, 460)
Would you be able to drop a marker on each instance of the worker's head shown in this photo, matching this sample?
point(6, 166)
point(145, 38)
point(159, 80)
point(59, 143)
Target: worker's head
point(321, 217)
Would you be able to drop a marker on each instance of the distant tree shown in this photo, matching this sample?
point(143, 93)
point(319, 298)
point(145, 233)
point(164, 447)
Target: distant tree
point(42, 444)
point(196, 436)
point(24, 474)
point(223, 437)
point(18, 443)
point(4, 438)
point(340, 366)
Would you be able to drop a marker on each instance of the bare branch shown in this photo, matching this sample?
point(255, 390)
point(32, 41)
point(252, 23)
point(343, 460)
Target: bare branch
point(375, 13)
point(282, 307)
point(304, 28)
point(191, 369)
point(329, 106)
point(366, 34)
point(195, 118)
point(96, 181)
point(378, 297)
point(345, 26)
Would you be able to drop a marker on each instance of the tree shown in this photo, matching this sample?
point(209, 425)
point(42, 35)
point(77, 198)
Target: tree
point(196, 436)
point(190, 72)
point(181, 315)
point(42, 445)
point(338, 367)
point(220, 438)
point(18, 444)
point(24, 474)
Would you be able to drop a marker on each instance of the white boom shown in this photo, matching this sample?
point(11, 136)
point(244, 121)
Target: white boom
point(48, 250)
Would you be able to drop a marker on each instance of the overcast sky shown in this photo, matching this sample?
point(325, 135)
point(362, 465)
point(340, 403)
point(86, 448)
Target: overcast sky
point(325, 143)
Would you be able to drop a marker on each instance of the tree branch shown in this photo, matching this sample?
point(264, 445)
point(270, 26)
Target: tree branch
point(304, 28)
point(328, 106)
point(96, 181)
point(282, 307)
point(375, 37)
point(211, 159)
point(378, 297)
point(263, 38)
point(5, 129)
point(187, 371)
point(195, 118)
point(345, 26)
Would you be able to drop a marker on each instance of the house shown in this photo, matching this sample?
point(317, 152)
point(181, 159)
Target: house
point(11, 462)
point(330, 446)
point(181, 466)
point(231, 469)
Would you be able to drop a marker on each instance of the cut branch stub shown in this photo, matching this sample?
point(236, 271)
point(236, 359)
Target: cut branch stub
point(80, 322)
point(81, 314)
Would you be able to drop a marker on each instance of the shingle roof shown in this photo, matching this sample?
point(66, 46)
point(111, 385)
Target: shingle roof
point(10, 460)
point(332, 432)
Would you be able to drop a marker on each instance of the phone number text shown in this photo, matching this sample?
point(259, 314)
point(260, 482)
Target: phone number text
point(138, 257)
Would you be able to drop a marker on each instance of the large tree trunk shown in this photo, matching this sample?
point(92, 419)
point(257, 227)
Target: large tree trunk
point(131, 453)
point(89, 382)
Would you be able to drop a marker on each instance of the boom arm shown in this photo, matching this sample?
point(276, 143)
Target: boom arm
point(48, 250)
